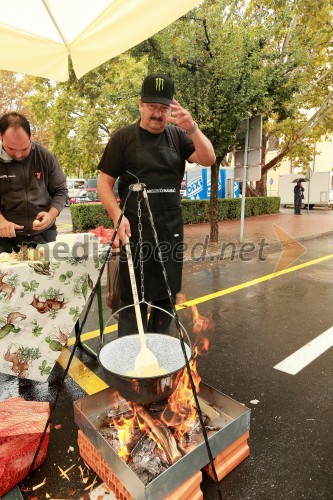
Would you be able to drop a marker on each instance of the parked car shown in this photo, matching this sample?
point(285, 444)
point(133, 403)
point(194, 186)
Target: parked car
point(74, 186)
point(88, 195)
point(92, 183)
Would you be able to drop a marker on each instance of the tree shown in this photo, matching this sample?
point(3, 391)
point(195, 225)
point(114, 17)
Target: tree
point(75, 119)
point(215, 56)
point(16, 89)
point(238, 59)
point(229, 59)
point(81, 114)
point(303, 37)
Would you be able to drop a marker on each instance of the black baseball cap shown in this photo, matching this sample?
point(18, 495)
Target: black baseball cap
point(157, 88)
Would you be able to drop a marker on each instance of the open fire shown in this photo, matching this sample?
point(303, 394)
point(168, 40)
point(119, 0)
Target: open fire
point(151, 439)
point(147, 457)
point(153, 449)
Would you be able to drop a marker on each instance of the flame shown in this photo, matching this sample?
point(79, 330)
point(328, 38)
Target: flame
point(125, 428)
point(202, 345)
point(201, 324)
point(181, 413)
point(145, 428)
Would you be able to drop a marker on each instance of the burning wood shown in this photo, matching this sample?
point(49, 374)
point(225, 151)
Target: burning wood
point(163, 435)
point(150, 440)
point(158, 477)
point(147, 460)
point(121, 408)
point(140, 450)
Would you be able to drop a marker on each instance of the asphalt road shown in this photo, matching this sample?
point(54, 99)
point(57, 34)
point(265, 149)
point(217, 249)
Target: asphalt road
point(258, 318)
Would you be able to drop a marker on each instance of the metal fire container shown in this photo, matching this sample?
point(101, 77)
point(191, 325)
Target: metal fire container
point(233, 423)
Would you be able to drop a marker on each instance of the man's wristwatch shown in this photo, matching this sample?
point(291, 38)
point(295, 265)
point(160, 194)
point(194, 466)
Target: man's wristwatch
point(193, 129)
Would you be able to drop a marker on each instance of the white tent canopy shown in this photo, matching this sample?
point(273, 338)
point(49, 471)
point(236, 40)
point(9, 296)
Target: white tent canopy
point(36, 36)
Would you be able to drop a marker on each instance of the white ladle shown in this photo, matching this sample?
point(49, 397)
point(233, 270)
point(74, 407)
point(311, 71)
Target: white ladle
point(146, 363)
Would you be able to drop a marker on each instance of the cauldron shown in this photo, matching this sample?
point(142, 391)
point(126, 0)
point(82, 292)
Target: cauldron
point(118, 358)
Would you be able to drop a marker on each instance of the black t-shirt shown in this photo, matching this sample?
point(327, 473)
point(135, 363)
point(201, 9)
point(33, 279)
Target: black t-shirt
point(120, 153)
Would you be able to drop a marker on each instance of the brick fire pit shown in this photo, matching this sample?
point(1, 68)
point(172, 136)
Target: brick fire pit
point(182, 479)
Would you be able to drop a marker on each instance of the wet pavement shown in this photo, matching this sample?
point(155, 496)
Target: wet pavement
point(254, 317)
point(259, 232)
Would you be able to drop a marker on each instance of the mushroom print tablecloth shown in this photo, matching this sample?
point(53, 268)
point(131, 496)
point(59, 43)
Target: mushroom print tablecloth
point(40, 303)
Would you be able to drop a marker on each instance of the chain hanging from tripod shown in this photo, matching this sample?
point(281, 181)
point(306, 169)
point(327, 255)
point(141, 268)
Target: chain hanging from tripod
point(141, 247)
point(181, 338)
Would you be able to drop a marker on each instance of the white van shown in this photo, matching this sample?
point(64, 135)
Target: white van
point(74, 186)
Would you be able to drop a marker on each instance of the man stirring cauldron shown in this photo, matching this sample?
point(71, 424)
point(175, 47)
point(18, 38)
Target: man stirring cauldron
point(152, 152)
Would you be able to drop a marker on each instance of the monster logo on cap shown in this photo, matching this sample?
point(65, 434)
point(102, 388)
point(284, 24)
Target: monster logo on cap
point(159, 83)
point(157, 88)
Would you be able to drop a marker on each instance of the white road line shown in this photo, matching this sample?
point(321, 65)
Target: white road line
point(304, 356)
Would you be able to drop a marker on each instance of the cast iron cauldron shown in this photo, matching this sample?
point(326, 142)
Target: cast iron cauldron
point(118, 358)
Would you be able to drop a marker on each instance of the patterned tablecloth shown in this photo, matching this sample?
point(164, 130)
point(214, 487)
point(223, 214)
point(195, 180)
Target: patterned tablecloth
point(40, 303)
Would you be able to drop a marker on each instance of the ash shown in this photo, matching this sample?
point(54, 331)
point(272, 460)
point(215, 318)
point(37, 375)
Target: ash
point(146, 460)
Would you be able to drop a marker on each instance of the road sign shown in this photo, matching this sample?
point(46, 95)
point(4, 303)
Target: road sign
point(253, 157)
point(253, 173)
point(271, 180)
point(250, 134)
point(255, 132)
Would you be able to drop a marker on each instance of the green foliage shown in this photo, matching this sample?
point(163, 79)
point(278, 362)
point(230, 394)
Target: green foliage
point(30, 353)
point(229, 59)
point(196, 211)
point(86, 217)
point(227, 65)
point(82, 114)
point(234, 59)
point(89, 216)
point(44, 368)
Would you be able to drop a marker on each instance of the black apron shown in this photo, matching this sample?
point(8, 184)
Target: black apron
point(159, 168)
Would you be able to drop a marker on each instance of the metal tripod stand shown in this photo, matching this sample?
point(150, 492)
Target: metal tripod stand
point(140, 188)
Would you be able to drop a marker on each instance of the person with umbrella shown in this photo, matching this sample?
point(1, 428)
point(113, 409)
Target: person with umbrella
point(298, 196)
